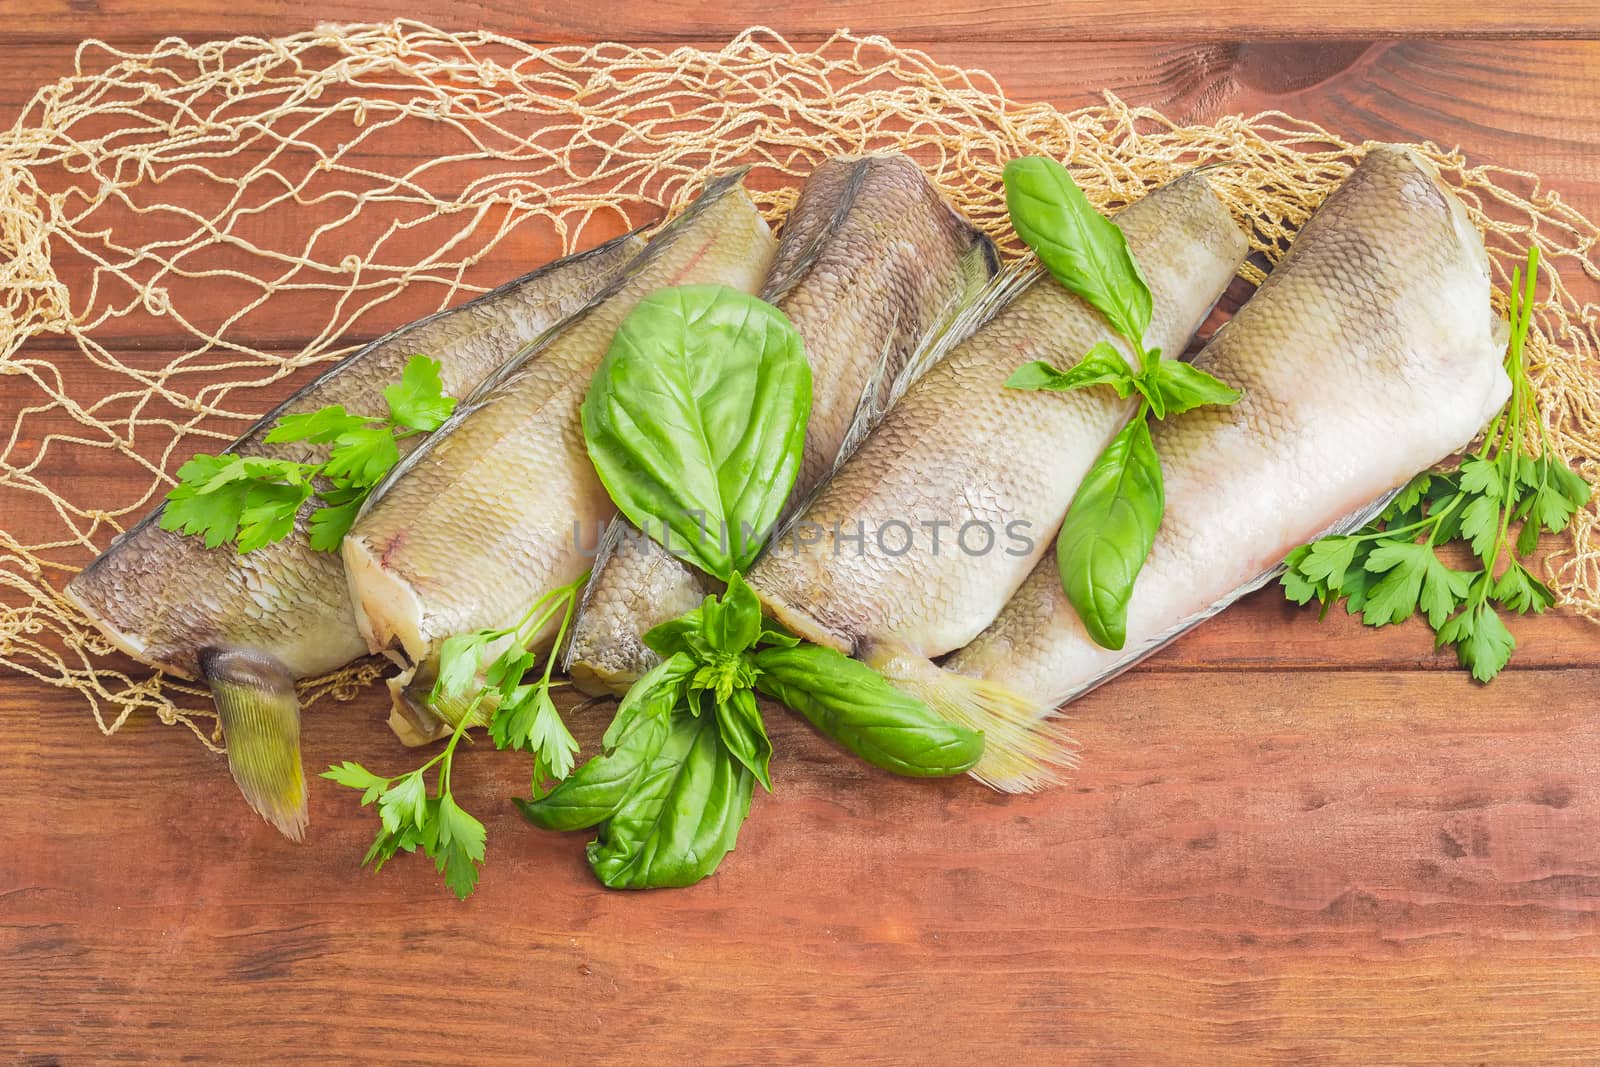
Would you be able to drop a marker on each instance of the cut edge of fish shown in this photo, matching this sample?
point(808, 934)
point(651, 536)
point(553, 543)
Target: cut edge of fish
point(388, 610)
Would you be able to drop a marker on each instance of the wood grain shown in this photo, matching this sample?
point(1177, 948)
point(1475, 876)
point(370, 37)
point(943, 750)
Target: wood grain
point(1289, 842)
point(947, 20)
point(1322, 866)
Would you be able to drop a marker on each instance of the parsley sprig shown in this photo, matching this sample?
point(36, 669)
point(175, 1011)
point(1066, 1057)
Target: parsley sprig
point(521, 714)
point(1390, 570)
point(413, 817)
point(469, 692)
point(1112, 521)
point(253, 500)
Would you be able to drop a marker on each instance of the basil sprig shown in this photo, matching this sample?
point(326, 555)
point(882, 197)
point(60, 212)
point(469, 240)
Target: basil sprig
point(681, 759)
point(1112, 521)
point(699, 412)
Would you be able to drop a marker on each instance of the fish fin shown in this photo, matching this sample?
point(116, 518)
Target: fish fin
point(410, 717)
point(1024, 749)
point(783, 280)
point(986, 293)
point(967, 318)
point(260, 715)
point(715, 190)
point(1350, 523)
point(615, 531)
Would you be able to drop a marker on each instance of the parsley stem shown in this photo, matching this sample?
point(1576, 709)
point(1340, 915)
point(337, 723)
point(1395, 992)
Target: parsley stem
point(449, 751)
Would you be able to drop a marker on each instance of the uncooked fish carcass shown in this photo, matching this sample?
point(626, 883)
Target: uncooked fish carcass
point(492, 512)
point(936, 520)
point(250, 624)
point(1368, 355)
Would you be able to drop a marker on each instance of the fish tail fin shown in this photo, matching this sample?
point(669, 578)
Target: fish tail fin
point(260, 715)
point(1025, 747)
point(418, 719)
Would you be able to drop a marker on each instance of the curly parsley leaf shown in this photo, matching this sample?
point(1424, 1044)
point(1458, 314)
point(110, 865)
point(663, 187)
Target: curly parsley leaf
point(1481, 640)
point(411, 818)
point(320, 426)
point(457, 842)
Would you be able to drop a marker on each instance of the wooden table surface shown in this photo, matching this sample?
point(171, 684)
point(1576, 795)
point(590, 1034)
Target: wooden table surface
point(1289, 842)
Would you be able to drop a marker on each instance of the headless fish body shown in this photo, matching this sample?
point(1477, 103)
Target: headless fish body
point(1368, 355)
point(491, 513)
point(251, 624)
point(871, 260)
point(936, 520)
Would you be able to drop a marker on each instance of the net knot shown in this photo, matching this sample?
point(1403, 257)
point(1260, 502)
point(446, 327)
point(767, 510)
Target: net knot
point(32, 298)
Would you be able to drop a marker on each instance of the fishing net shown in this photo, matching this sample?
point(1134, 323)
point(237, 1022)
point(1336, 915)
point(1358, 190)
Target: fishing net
point(189, 232)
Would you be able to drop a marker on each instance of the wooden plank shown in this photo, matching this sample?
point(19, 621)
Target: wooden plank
point(1033, 20)
point(1351, 865)
point(1441, 90)
point(1455, 92)
point(1271, 853)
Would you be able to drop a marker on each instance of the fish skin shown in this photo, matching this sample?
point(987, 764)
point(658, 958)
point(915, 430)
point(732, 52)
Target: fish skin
point(284, 599)
point(1378, 312)
point(870, 260)
point(960, 447)
point(249, 624)
point(488, 515)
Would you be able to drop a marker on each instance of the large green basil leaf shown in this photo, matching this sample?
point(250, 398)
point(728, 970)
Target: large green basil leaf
point(594, 791)
point(696, 419)
point(682, 814)
point(1108, 532)
point(1080, 247)
point(860, 709)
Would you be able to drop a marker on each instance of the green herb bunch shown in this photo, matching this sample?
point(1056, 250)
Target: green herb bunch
point(253, 500)
point(682, 757)
point(1115, 514)
point(668, 425)
point(520, 716)
point(675, 779)
point(1391, 569)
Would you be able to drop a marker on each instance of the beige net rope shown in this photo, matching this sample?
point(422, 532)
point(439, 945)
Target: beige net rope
point(183, 230)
